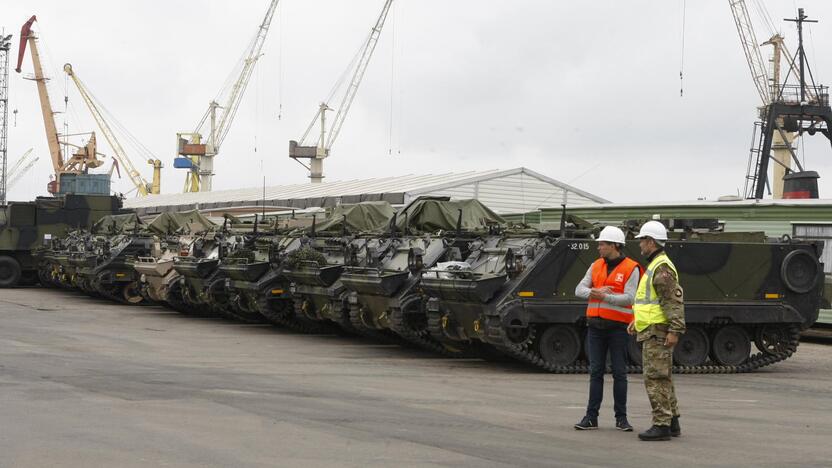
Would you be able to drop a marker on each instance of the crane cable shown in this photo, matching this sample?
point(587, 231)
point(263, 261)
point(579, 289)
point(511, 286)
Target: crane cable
point(682, 54)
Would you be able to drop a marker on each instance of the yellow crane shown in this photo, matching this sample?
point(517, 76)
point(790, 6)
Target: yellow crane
point(142, 186)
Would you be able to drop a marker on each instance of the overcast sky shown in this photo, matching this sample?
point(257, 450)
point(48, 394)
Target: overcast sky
point(584, 92)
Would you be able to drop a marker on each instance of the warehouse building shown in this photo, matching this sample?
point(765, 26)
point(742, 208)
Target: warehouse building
point(504, 191)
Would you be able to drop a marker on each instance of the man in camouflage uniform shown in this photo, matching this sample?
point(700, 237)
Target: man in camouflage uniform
point(659, 320)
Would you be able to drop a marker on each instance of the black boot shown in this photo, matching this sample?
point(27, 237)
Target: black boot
point(675, 429)
point(656, 433)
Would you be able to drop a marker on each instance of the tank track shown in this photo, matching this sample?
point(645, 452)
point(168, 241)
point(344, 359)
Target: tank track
point(421, 338)
point(286, 318)
point(527, 353)
point(364, 330)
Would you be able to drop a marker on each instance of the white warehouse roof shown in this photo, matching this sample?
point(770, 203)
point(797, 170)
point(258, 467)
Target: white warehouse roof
point(504, 191)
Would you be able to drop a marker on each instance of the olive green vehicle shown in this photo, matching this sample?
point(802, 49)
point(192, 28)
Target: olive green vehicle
point(739, 288)
point(351, 235)
point(174, 235)
point(26, 227)
point(105, 268)
point(58, 266)
point(385, 294)
point(201, 285)
point(254, 281)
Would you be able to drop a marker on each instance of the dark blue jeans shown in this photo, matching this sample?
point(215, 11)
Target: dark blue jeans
point(599, 342)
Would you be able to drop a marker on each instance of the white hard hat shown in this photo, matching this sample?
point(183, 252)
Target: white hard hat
point(612, 234)
point(654, 230)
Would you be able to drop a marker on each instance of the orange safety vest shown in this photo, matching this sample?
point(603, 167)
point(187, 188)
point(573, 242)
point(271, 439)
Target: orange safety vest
point(617, 279)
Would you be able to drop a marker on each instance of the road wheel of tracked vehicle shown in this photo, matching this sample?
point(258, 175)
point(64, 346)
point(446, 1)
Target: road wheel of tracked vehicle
point(692, 348)
point(9, 272)
point(634, 350)
point(560, 345)
point(772, 339)
point(799, 271)
point(132, 293)
point(521, 335)
point(730, 346)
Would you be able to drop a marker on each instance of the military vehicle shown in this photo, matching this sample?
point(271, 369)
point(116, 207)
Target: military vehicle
point(201, 286)
point(28, 226)
point(384, 294)
point(105, 268)
point(255, 284)
point(739, 287)
point(57, 267)
point(349, 236)
point(174, 235)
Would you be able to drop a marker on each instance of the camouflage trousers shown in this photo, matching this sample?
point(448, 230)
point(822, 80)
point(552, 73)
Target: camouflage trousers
point(657, 365)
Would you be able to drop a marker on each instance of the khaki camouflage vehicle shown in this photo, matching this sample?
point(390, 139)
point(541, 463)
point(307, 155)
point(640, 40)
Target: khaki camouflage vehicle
point(174, 235)
point(26, 227)
point(739, 288)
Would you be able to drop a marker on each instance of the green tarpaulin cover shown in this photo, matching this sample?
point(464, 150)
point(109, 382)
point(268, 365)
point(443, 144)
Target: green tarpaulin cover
point(361, 217)
point(191, 222)
point(430, 214)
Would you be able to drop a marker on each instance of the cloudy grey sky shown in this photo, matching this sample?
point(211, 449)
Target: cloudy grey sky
point(584, 92)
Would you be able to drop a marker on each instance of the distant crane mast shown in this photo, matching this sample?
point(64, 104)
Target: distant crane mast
point(142, 186)
point(198, 156)
point(316, 154)
point(5, 46)
point(15, 176)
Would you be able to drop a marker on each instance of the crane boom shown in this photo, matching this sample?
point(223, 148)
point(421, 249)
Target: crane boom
point(198, 156)
point(119, 153)
point(13, 179)
point(29, 37)
point(316, 154)
point(20, 161)
point(751, 48)
point(363, 63)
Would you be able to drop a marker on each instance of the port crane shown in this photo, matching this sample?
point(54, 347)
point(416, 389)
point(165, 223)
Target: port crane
point(20, 168)
point(773, 141)
point(194, 152)
point(85, 157)
point(327, 136)
point(142, 186)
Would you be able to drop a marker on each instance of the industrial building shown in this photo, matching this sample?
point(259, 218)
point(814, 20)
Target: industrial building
point(504, 191)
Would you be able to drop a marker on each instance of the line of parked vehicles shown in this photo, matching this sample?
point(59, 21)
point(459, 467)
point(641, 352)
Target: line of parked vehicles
point(449, 276)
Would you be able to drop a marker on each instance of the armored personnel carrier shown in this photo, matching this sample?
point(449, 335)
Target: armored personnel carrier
point(739, 288)
point(384, 294)
point(28, 226)
point(350, 235)
point(201, 285)
point(174, 235)
point(255, 284)
point(106, 267)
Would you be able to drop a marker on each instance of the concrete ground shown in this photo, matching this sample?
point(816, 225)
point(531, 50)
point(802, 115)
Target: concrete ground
point(88, 383)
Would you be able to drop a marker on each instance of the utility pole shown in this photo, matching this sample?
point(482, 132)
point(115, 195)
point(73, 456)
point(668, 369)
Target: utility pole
point(5, 45)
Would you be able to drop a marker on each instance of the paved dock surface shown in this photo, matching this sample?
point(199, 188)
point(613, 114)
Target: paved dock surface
point(88, 383)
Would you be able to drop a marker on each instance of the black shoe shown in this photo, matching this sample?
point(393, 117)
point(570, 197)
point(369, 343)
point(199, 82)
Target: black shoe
point(675, 429)
point(656, 433)
point(587, 424)
point(622, 425)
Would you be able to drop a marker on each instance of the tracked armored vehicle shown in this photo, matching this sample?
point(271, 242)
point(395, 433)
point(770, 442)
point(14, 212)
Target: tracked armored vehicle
point(201, 285)
point(385, 295)
point(255, 284)
point(739, 288)
point(174, 235)
point(26, 227)
point(351, 235)
point(105, 267)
